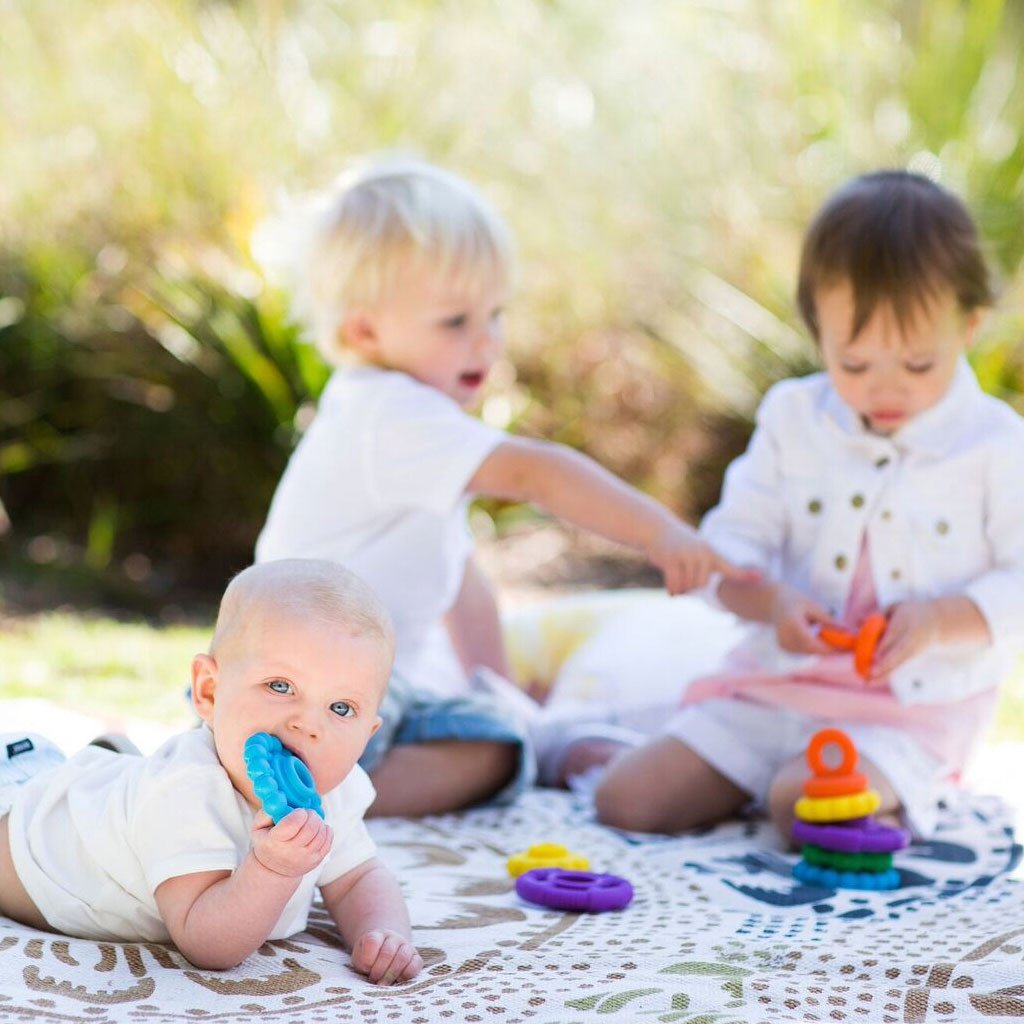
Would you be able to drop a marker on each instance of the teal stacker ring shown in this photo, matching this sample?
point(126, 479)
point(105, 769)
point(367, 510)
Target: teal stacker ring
point(280, 779)
point(829, 878)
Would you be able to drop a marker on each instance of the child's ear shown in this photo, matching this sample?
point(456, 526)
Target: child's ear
point(204, 683)
point(972, 321)
point(359, 332)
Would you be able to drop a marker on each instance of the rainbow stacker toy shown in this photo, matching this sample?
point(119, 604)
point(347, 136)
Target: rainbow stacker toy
point(843, 846)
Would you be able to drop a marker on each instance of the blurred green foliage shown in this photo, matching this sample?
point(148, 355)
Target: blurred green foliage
point(657, 162)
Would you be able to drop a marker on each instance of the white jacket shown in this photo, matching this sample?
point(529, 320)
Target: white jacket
point(942, 501)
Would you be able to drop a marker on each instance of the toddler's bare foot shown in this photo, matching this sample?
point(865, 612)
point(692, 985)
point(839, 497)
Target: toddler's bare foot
point(565, 748)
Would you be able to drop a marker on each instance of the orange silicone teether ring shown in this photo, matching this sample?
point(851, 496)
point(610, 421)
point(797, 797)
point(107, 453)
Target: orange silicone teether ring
point(837, 638)
point(867, 643)
point(836, 785)
point(820, 741)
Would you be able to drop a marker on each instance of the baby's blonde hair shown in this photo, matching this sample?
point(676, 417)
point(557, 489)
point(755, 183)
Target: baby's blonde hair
point(305, 588)
point(385, 218)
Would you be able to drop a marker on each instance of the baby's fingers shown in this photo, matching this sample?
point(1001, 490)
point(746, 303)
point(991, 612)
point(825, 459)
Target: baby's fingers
point(797, 636)
point(810, 642)
point(743, 574)
point(894, 637)
point(405, 966)
point(262, 822)
point(892, 652)
point(305, 829)
point(380, 967)
point(365, 951)
point(896, 646)
point(674, 579)
point(292, 824)
point(692, 573)
point(414, 966)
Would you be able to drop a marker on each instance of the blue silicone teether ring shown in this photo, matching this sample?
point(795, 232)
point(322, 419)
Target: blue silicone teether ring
point(829, 878)
point(279, 778)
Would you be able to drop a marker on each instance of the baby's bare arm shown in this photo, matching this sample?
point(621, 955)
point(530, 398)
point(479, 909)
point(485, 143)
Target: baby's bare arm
point(367, 906)
point(218, 918)
point(577, 489)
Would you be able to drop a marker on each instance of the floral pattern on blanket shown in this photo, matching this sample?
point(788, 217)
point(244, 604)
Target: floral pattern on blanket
point(719, 932)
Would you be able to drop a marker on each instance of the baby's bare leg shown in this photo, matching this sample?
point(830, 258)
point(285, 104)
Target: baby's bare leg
point(433, 778)
point(15, 903)
point(664, 786)
point(787, 788)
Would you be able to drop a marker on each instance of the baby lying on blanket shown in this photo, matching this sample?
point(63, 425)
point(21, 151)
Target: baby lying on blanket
point(174, 847)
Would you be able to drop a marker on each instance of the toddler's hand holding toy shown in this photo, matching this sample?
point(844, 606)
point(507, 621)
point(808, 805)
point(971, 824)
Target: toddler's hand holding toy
point(295, 845)
point(913, 627)
point(862, 643)
point(796, 618)
point(386, 957)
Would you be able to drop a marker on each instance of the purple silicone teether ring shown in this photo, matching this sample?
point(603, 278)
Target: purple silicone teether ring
point(858, 835)
point(574, 890)
point(279, 778)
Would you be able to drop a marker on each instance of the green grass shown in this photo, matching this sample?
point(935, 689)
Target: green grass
point(101, 666)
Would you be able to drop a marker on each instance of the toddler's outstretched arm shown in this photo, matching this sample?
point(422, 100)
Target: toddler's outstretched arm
point(575, 488)
point(218, 918)
point(368, 908)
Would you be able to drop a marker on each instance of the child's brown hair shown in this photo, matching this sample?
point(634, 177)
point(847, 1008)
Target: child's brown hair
point(896, 237)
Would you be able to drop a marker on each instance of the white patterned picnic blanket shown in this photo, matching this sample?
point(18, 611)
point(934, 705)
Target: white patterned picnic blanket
point(718, 932)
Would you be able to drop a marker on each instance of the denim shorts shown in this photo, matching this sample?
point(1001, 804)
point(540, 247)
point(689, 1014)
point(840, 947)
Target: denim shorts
point(411, 714)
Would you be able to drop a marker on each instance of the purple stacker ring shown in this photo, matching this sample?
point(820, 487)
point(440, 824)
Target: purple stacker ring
point(858, 835)
point(574, 890)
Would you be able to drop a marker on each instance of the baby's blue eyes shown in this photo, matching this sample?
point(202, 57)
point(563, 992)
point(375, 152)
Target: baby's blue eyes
point(341, 708)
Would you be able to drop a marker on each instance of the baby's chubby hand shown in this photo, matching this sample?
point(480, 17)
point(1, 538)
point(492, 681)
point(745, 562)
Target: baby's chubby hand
point(386, 957)
point(688, 562)
point(295, 845)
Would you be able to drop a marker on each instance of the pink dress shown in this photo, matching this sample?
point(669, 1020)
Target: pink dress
point(830, 689)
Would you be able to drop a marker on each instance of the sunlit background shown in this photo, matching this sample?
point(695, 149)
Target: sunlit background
point(657, 162)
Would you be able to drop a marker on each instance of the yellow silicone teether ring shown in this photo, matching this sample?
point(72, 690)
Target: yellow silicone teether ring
point(546, 855)
point(837, 808)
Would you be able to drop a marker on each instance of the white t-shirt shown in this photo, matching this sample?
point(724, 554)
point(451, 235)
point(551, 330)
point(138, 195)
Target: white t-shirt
point(378, 484)
point(93, 838)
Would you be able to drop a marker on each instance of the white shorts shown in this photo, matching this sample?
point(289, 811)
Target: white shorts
point(748, 743)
